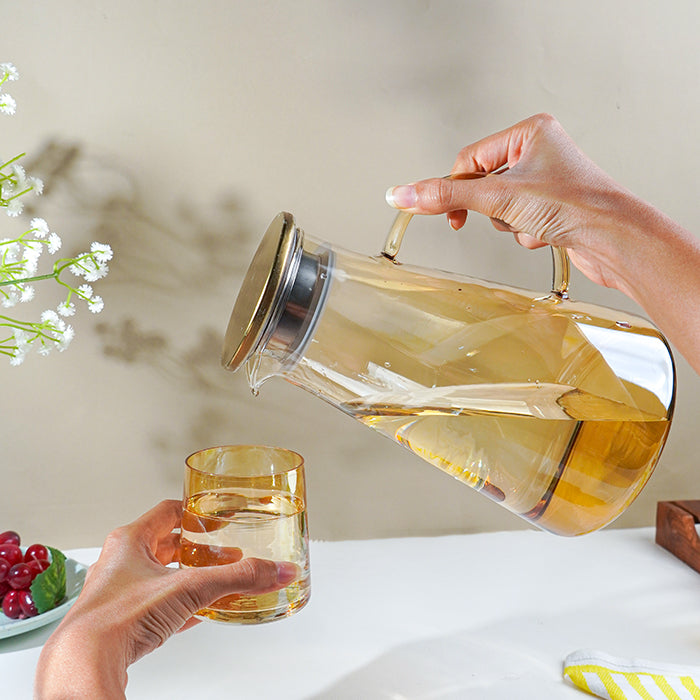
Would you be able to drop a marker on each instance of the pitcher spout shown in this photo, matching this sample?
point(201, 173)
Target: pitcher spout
point(258, 369)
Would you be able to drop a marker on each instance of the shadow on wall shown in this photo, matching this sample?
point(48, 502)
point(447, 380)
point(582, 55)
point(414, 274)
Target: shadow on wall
point(188, 257)
point(168, 296)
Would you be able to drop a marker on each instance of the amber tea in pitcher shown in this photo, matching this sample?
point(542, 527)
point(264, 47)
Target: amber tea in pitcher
point(555, 409)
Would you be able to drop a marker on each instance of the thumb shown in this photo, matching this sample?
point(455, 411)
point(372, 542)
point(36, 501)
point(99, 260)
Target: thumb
point(208, 583)
point(443, 195)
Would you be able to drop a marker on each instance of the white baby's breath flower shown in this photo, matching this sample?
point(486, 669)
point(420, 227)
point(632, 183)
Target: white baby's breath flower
point(22, 344)
point(51, 317)
point(37, 184)
point(97, 273)
point(57, 326)
point(14, 207)
point(39, 227)
point(9, 251)
point(7, 103)
point(8, 72)
point(21, 339)
point(91, 269)
point(58, 330)
point(66, 308)
point(54, 243)
point(85, 290)
point(96, 304)
point(19, 178)
point(10, 298)
point(101, 251)
point(66, 337)
point(28, 266)
point(19, 261)
point(31, 254)
point(17, 358)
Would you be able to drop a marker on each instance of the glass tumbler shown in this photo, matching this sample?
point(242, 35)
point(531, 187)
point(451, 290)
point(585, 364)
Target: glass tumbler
point(247, 501)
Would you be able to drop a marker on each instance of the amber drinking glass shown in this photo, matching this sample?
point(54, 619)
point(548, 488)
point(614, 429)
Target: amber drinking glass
point(247, 501)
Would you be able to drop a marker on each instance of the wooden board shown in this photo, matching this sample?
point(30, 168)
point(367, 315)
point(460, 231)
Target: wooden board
point(675, 530)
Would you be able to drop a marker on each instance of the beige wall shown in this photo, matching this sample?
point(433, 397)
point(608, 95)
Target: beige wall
point(175, 130)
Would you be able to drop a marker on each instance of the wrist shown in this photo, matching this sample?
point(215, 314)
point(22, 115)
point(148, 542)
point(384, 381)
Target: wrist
point(78, 662)
point(643, 245)
point(619, 237)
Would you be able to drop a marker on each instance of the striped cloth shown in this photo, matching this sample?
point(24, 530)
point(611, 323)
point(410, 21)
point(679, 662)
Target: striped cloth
point(631, 679)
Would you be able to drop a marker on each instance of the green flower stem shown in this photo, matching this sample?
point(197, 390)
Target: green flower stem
point(10, 322)
point(36, 278)
point(15, 196)
point(34, 333)
point(34, 330)
point(12, 160)
point(58, 268)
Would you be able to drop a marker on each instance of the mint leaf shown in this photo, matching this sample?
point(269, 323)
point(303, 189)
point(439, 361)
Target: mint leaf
point(49, 587)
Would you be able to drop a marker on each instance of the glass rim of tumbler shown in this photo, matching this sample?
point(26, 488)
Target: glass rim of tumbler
point(257, 465)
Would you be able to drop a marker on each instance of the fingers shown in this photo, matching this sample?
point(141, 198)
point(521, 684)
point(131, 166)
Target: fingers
point(508, 146)
point(528, 241)
point(503, 148)
point(151, 528)
point(524, 239)
point(501, 225)
point(434, 196)
point(168, 548)
point(161, 519)
point(445, 195)
point(487, 155)
point(457, 219)
point(189, 624)
point(192, 554)
point(488, 195)
point(253, 575)
point(207, 584)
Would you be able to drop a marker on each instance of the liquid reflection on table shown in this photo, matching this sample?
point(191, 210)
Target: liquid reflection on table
point(471, 616)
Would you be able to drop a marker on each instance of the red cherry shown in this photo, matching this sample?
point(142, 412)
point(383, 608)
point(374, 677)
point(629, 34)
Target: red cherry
point(37, 566)
point(36, 551)
point(19, 576)
point(12, 553)
point(5, 566)
point(4, 587)
point(9, 537)
point(26, 603)
point(11, 606)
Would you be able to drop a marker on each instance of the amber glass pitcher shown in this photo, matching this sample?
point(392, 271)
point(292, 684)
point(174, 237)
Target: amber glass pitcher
point(556, 409)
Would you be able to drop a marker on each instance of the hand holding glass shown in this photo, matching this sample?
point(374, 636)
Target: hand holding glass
point(247, 501)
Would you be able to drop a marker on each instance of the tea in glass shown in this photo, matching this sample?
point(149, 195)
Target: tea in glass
point(247, 501)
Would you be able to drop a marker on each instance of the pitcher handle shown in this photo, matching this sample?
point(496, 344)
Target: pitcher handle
point(560, 258)
point(560, 272)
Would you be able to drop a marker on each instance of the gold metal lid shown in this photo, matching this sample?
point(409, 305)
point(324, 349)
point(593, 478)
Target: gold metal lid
point(266, 282)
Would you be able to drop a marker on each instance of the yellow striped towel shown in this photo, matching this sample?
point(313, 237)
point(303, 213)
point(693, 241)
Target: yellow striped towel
point(626, 679)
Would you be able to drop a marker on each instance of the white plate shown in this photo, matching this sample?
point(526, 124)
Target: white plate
point(75, 578)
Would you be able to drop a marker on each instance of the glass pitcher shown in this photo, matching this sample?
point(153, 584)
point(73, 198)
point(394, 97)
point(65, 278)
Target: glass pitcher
point(557, 410)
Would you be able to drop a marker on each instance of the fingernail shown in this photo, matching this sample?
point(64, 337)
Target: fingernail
point(287, 572)
point(454, 223)
point(401, 196)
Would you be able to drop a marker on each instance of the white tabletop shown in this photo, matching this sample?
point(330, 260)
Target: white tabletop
point(483, 616)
